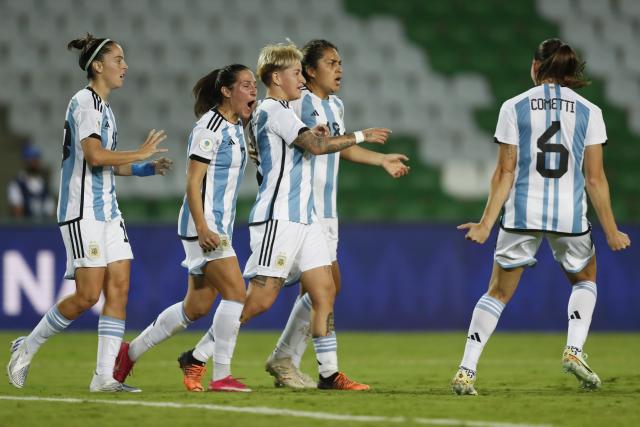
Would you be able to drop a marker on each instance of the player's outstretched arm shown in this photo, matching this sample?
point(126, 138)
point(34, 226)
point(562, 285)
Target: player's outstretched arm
point(196, 171)
point(96, 155)
point(501, 184)
point(316, 142)
point(598, 190)
point(393, 163)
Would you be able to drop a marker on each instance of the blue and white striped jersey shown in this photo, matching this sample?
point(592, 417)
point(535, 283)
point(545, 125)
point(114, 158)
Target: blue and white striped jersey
point(314, 111)
point(87, 192)
point(551, 125)
point(287, 170)
point(221, 144)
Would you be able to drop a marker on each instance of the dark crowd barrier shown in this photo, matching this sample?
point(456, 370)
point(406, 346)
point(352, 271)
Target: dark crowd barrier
point(394, 277)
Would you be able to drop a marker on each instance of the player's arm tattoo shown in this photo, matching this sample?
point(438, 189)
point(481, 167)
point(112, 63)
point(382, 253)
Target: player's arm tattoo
point(316, 144)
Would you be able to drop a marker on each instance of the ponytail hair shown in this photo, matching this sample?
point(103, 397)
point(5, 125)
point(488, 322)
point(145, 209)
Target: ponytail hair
point(91, 49)
point(208, 90)
point(560, 63)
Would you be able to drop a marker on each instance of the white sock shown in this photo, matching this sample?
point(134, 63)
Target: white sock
point(327, 354)
point(226, 325)
point(206, 347)
point(110, 333)
point(168, 323)
point(483, 322)
point(293, 341)
point(579, 310)
point(51, 323)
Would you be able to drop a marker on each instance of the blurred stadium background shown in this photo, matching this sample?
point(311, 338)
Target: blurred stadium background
point(435, 72)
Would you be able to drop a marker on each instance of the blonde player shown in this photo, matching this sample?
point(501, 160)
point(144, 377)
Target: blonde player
point(93, 231)
point(322, 70)
point(217, 159)
point(547, 136)
point(285, 236)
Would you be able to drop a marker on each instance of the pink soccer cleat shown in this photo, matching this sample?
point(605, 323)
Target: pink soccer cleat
point(228, 383)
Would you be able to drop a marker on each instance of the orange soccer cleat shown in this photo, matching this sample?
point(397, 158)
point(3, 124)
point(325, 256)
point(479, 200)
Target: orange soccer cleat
point(192, 371)
point(339, 381)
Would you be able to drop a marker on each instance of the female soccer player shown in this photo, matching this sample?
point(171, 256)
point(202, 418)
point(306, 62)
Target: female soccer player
point(217, 159)
point(547, 135)
point(93, 231)
point(322, 70)
point(285, 236)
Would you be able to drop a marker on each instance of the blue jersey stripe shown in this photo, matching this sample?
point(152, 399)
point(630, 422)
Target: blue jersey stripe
point(307, 111)
point(579, 134)
point(97, 177)
point(223, 159)
point(523, 112)
point(241, 141)
point(310, 205)
point(68, 163)
point(545, 200)
point(295, 185)
point(114, 203)
point(556, 187)
point(266, 163)
point(331, 164)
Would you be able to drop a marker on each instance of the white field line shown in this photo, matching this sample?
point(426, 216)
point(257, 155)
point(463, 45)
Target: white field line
point(259, 410)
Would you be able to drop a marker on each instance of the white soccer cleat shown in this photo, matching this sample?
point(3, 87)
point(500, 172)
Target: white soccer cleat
point(574, 362)
point(287, 375)
point(463, 381)
point(108, 384)
point(18, 367)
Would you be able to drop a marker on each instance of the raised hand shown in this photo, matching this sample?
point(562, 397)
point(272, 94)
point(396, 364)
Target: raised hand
point(162, 165)
point(150, 146)
point(477, 233)
point(392, 163)
point(376, 135)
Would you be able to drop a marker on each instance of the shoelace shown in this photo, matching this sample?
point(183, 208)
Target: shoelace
point(343, 381)
point(194, 372)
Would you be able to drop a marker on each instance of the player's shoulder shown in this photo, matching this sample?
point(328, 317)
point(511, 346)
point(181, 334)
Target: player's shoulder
point(582, 100)
point(336, 100)
point(211, 123)
point(87, 98)
point(274, 105)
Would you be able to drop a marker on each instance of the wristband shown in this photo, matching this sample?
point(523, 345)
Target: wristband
point(359, 136)
point(143, 169)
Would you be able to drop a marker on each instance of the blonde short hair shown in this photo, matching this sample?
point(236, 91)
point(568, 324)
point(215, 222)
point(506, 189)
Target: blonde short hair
point(276, 57)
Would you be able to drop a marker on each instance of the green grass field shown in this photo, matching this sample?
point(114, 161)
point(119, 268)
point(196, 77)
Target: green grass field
point(520, 383)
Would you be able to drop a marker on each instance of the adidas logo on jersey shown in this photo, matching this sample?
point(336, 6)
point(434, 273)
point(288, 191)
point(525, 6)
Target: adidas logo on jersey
point(474, 337)
point(232, 142)
point(106, 124)
point(315, 113)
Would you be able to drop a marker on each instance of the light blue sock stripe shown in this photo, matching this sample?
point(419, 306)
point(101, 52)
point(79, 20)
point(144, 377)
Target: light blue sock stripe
point(490, 303)
point(488, 309)
point(56, 313)
point(587, 286)
point(328, 350)
point(111, 319)
point(499, 304)
point(111, 324)
point(55, 324)
point(306, 300)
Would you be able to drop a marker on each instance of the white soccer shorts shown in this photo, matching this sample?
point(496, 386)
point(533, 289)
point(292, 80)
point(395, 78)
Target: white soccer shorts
point(281, 248)
point(330, 230)
point(92, 243)
point(195, 257)
point(518, 249)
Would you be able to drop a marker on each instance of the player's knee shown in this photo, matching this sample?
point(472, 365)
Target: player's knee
point(86, 300)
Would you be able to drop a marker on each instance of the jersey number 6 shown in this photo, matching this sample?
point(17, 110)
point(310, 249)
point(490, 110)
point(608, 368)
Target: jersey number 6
point(545, 148)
